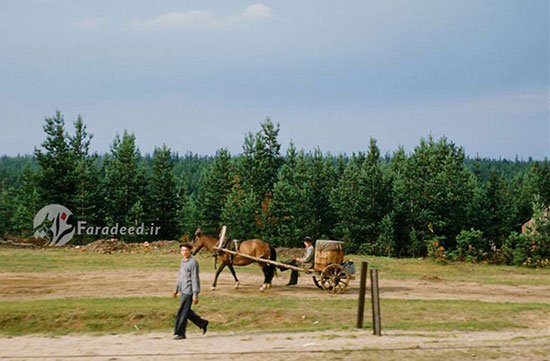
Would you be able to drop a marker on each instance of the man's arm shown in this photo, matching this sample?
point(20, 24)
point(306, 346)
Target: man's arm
point(178, 283)
point(195, 280)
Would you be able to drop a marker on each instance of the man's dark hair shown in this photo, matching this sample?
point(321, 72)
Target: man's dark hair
point(186, 245)
point(308, 239)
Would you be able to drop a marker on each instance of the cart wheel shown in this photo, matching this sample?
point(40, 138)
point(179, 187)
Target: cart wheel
point(317, 282)
point(335, 278)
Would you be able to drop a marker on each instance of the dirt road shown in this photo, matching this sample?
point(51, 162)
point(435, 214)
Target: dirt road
point(124, 283)
point(506, 345)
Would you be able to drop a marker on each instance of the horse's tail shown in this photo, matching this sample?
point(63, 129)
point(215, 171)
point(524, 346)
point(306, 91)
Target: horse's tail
point(271, 268)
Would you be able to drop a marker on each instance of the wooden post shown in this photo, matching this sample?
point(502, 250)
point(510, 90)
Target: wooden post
point(362, 289)
point(222, 236)
point(375, 299)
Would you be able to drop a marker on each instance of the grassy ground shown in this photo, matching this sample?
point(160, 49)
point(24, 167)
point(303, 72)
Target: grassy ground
point(20, 260)
point(262, 312)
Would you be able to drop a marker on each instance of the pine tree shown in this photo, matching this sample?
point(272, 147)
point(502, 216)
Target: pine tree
point(27, 203)
point(7, 208)
point(124, 182)
point(346, 202)
point(498, 206)
point(163, 195)
point(321, 180)
point(215, 188)
point(258, 168)
point(289, 205)
point(241, 213)
point(432, 191)
point(56, 179)
point(87, 201)
point(361, 199)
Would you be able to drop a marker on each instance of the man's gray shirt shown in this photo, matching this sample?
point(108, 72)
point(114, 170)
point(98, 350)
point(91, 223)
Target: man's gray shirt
point(188, 278)
point(307, 260)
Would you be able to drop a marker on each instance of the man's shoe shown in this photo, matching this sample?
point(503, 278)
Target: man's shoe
point(179, 337)
point(204, 329)
point(291, 284)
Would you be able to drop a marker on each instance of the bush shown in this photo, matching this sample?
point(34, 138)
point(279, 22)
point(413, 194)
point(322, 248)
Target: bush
point(470, 246)
point(528, 250)
point(435, 250)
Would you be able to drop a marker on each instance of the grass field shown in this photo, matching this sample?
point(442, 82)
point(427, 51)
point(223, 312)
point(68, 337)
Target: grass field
point(145, 314)
point(261, 311)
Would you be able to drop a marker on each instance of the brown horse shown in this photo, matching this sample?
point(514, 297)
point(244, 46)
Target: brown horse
point(251, 247)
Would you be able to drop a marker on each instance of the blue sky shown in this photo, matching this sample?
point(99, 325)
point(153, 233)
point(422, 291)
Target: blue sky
point(198, 75)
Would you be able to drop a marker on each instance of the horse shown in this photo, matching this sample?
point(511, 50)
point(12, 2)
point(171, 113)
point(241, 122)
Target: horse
point(251, 247)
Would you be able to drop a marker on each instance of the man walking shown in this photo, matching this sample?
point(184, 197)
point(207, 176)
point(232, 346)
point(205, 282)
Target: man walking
point(189, 286)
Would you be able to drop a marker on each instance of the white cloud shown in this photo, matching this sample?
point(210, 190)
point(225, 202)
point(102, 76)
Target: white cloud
point(90, 23)
point(257, 11)
point(175, 20)
point(203, 18)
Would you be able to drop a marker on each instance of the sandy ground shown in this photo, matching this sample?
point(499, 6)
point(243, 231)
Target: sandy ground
point(123, 283)
point(352, 345)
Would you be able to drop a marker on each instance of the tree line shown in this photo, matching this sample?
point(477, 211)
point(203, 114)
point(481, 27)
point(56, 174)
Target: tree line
point(433, 201)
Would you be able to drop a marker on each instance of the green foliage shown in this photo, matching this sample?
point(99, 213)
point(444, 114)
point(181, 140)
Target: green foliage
point(124, 182)
point(26, 204)
point(385, 244)
point(213, 193)
point(56, 181)
point(433, 201)
point(471, 246)
point(531, 249)
point(432, 190)
point(240, 213)
point(163, 194)
point(360, 200)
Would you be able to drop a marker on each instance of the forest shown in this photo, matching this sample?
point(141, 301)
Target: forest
point(433, 201)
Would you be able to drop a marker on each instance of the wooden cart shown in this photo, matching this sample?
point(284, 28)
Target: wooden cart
point(328, 272)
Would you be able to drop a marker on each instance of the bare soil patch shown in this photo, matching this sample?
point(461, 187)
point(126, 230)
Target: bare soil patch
point(137, 282)
point(350, 345)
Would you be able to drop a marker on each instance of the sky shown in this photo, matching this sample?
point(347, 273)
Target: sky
point(198, 75)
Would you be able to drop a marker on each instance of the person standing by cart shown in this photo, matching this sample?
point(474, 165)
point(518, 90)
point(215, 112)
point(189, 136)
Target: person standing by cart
point(305, 262)
point(188, 285)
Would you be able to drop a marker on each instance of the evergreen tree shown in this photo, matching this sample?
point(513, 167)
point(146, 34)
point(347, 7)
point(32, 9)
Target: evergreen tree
point(321, 180)
point(241, 213)
point(7, 208)
point(361, 199)
point(27, 203)
point(163, 194)
point(214, 190)
point(290, 208)
point(87, 200)
point(432, 191)
point(124, 182)
point(56, 179)
point(346, 202)
point(498, 208)
point(258, 168)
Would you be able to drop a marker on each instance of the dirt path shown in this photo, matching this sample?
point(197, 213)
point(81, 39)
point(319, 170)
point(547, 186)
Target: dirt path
point(505, 345)
point(124, 283)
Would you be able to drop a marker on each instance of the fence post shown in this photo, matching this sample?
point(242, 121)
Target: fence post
point(362, 289)
point(375, 299)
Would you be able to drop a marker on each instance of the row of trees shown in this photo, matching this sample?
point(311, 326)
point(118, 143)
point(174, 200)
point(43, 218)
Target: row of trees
point(402, 204)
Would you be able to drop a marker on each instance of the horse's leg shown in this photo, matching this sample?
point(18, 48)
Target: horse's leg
point(237, 283)
point(265, 285)
point(218, 271)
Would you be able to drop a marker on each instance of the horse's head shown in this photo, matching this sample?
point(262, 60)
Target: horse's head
point(198, 241)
